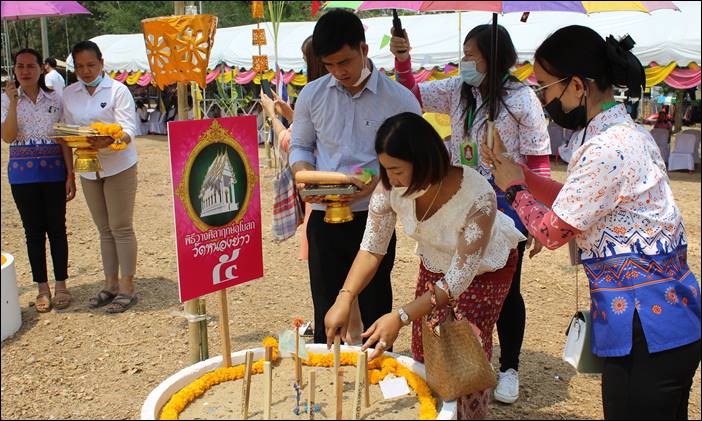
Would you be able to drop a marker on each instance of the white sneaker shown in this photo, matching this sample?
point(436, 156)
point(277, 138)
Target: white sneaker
point(507, 389)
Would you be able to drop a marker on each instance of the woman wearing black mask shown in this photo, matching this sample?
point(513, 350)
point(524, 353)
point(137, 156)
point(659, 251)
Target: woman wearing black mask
point(617, 204)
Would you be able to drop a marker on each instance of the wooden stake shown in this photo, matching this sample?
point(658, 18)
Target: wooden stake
point(246, 386)
point(366, 383)
point(298, 373)
point(268, 384)
point(337, 354)
point(339, 394)
point(338, 377)
point(357, 390)
point(269, 354)
point(224, 328)
point(311, 385)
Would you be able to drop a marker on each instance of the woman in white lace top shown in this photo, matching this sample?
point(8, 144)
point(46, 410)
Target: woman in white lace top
point(466, 246)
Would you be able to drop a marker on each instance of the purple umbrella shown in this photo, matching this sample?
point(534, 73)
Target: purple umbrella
point(16, 10)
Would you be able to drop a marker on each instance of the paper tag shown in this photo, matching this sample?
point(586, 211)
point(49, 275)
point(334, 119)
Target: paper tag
point(286, 343)
point(394, 388)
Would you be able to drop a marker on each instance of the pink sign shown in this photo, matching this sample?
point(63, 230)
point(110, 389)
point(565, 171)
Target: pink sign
point(217, 201)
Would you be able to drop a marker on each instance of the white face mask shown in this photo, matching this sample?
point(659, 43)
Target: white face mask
point(412, 196)
point(470, 74)
point(365, 72)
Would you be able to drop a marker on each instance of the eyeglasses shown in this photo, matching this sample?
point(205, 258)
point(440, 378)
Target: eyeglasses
point(541, 90)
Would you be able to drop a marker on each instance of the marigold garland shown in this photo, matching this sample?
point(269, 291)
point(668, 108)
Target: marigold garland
point(112, 130)
point(377, 370)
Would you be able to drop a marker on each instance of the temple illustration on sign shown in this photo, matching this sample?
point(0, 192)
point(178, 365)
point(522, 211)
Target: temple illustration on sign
point(217, 191)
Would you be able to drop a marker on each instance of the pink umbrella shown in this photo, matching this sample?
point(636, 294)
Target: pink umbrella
point(16, 10)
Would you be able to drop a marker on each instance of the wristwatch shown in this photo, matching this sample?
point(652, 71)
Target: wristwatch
point(511, 192)
point(404, 317)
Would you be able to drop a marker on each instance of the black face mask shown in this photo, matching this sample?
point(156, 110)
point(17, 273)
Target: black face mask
point(573, 120)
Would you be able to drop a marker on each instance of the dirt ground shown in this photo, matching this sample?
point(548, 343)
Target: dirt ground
point(84, 363)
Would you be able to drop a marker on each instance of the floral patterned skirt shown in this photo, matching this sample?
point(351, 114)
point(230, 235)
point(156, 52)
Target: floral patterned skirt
point(480, 304)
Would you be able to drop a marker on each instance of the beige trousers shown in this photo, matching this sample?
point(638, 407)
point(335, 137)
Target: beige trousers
point(111, 203)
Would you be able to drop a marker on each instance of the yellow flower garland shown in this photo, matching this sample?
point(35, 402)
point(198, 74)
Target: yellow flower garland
point(113, 130)
point(377, 370)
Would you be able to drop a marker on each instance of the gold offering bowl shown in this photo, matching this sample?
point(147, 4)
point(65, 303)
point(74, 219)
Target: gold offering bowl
point(86, 157)
point(337, 212)
point(332, 187)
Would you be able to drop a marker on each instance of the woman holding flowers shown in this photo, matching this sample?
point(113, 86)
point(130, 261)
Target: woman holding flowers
point(110, 193)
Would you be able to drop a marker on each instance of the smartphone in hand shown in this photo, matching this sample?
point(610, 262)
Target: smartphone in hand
point(397, 27)
point(266, 85)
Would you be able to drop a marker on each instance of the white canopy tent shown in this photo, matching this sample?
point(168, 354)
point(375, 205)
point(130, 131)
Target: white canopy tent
point(662, 37)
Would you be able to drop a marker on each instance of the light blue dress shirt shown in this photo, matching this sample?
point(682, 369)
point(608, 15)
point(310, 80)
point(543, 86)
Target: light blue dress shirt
point(335, 131)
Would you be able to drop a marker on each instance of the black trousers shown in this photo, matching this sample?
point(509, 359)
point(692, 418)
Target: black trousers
point(649, 386)
point(42, 208)
point(512, 321)
point(332, 249)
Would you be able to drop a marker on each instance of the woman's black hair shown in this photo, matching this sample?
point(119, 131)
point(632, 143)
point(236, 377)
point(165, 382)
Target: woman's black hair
point(409, 137)
point(335, 29)
point(35, 53)
point(86, 46)
point(506, 58)
point(580, 51)
point(315, 68)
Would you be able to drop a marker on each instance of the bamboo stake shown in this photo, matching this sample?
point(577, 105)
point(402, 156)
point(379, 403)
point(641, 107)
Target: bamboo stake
point(366, 383)
point(311, 384)
point(246, 386)
point(339, 394)
point(224, 329)
point(191, 306)
point(357, 390)
point(204, 343)
point(268, 384)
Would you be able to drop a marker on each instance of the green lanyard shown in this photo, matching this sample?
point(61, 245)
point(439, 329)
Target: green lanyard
point(470, 114)
point(487, 100)
point(607, 105)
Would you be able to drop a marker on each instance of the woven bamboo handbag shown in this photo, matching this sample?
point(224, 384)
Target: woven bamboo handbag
point(455, 362)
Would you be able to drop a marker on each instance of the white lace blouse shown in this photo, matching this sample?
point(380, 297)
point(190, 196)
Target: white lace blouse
point(466, 237)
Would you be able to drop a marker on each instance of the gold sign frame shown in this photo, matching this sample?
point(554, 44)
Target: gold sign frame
point(215, 134)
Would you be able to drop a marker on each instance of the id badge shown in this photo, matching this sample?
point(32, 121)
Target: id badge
point(469, 152)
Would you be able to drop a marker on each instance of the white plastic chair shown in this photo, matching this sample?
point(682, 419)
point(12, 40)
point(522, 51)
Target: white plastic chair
point(682, 156)
point(696, 152)
point(155, 122)
point(662, 137)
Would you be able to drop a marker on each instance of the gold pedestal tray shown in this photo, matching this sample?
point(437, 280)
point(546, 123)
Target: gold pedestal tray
point(337, 212)
point(86, 157)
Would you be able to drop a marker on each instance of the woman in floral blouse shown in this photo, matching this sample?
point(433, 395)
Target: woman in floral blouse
point(467, 247)
point(40, 173)
point(617, 204)
point(520, 121)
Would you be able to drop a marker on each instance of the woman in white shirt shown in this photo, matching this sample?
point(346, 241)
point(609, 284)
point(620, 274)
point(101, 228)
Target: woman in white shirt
point(467, 247)
point(109, 193)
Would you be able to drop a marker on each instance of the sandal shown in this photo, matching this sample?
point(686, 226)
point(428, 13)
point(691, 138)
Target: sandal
point(121, 303)
point(43, 303)
point(62, 299)
point(103, 298)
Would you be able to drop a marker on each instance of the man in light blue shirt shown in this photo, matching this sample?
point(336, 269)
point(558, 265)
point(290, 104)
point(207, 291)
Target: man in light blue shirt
point(336, 120)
